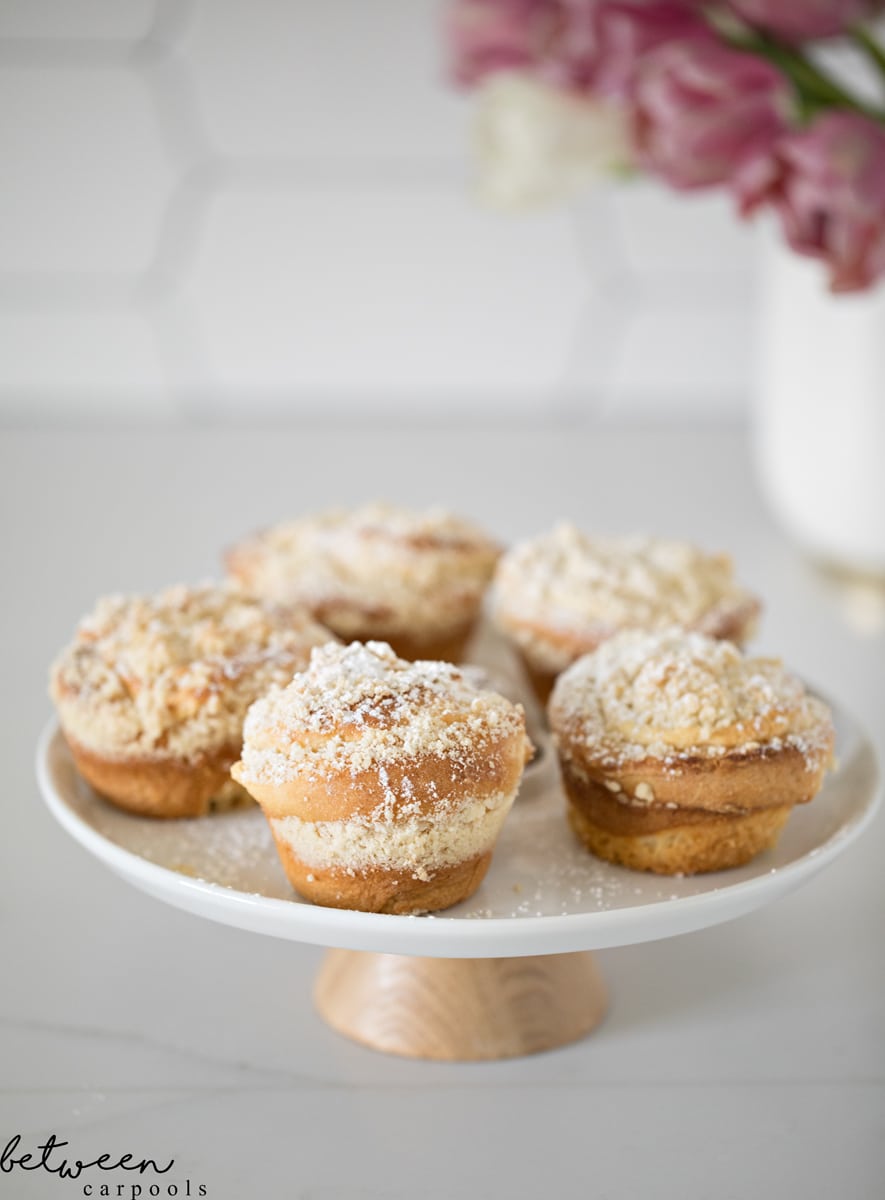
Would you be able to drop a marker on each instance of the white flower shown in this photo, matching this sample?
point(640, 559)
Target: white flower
point(537, 144)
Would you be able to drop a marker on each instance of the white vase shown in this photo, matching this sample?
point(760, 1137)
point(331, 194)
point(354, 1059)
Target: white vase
point(820, 411)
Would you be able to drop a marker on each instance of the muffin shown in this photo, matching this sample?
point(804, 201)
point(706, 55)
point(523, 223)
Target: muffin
point(414, 580)
point(680, 755)
point(385, 782)
point(560, 595)
point(153, 691)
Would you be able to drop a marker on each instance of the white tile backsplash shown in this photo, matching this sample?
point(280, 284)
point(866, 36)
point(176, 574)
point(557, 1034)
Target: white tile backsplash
point(80, 361)
point(75, 19)
point(684, 362)
point(86, 178)
point(681, 234)
point(346, 80)
point(354, 292)
point(210, 208)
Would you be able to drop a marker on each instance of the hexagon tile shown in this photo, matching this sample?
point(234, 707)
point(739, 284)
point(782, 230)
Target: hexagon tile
point(210, 206)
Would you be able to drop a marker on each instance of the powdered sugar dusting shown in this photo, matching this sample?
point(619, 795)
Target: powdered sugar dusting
point(673, 694)
point(360, 705)
point(174, 673)
point(377, 568)
point(588, 588)
point(418, 845)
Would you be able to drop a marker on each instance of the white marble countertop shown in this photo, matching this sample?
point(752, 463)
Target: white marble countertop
point(744, 1061)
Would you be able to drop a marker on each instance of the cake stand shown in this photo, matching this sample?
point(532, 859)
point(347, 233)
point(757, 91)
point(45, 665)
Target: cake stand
point(506, 973)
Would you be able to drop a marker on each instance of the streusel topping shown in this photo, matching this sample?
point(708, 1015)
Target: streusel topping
point(376, 567)
point(596, 586)
point(416, 844)
point(360, 705)
point(678, 694)
point(175, 673)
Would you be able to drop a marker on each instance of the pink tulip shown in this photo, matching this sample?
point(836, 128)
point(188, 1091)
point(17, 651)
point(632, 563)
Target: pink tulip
point(496, 35)
point(799, 20)
point(625, 32)
point(705, 114)
point(827, 184)
point(550, 38)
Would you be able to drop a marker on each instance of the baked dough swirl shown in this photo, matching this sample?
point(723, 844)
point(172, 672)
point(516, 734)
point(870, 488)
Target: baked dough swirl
point(681, 755)
point(385, 782)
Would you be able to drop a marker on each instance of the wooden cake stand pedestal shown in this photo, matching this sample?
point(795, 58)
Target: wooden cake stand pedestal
point(460, 1009)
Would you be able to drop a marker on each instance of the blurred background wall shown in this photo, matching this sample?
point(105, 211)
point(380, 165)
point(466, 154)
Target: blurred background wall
point(229, 209)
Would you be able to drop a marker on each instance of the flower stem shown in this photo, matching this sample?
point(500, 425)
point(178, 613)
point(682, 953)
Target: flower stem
point(814, 87)
point(864, 39)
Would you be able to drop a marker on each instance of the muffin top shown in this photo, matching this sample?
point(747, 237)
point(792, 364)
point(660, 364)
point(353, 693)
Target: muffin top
point(675, 695)
point(173, 674)
point(376, 568)
point(589, 588)
point(359, 712)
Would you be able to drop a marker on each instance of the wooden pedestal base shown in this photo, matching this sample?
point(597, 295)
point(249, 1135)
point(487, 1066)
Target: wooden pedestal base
point(460, 1008)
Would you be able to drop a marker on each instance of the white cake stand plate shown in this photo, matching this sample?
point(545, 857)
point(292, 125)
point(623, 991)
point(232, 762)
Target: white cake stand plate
point(505, 973)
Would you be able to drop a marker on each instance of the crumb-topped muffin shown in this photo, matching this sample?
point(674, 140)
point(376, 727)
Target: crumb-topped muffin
point(560, 595)
point(152, 693)
point(680, 755)
point(385, 782)
point(413, 579)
